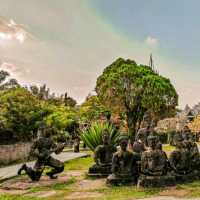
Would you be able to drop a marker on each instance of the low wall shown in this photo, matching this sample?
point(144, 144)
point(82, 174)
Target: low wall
point(15, 152)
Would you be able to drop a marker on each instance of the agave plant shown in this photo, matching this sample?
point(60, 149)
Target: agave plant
point(93, 136)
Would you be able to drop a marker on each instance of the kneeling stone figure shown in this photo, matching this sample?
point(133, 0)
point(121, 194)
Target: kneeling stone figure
point(42, 150)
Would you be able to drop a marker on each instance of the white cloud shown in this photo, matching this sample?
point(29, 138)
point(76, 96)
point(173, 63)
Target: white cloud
point(10, 31)
point(151, 41)
point(13, 69)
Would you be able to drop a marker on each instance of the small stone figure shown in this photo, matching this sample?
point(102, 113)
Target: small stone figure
point(155, 166)
point(42, 149)
point(124, 165)
point(103, 157)
point(76, 145)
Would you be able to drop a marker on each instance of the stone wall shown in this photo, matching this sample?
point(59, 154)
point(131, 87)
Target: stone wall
point(15, 152)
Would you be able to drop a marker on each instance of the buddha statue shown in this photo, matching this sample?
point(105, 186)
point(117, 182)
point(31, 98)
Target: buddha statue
point(154, 165)
point(183, 160)
point(103, 157)
point(124, 165)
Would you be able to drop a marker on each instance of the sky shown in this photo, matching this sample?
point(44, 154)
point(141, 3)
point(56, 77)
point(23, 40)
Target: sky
point(67, 43)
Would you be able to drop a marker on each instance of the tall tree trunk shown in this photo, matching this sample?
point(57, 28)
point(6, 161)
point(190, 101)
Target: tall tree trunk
point(132, 125)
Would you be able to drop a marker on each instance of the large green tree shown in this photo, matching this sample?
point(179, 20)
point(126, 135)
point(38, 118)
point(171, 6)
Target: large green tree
point(136, 90)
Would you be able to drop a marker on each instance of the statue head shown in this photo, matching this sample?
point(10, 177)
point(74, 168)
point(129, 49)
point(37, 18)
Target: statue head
point(140, 135)
point(191, 137)
point(178, 139)
point(186, 133)
point(152, 141)
point(45, 131)
point(123, 142)
point(186, 129)
point(105, 137)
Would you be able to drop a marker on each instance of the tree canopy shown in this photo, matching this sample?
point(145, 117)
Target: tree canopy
point(92, 109)
point(19, 114)
point(136, 90)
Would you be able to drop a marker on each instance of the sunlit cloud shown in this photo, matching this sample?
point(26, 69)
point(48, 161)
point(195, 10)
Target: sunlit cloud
point(13, 70)
point(10, 31)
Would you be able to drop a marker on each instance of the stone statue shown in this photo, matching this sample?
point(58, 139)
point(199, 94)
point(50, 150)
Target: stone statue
point(124, 165)
point(186, 134)
point(42, 149)
point(103, 157)
point(154, 166)
point(76, 145)
point(139, 144)
point(182, 160)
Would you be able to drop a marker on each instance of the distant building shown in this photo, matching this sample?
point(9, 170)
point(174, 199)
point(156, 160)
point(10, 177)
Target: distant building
point(176, 123)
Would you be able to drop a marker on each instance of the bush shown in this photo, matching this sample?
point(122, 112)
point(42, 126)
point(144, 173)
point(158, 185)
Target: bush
point(93, 136)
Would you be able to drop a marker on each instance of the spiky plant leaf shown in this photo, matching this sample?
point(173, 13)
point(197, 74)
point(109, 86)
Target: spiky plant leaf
point(93, 136)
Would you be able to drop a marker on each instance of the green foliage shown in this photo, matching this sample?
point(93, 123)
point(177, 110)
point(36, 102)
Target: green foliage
point(91, 109)
point(93, 136)
point(7, 82)
point(136, 90)
point(20, 113)
point(62, 119)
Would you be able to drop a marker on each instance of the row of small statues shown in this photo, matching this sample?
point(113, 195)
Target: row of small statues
point(147, 166)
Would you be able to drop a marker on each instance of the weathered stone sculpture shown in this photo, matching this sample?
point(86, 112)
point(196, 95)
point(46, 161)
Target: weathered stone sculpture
point(182, 161)
point(42, 150)
point(103, 158)
point(154, 166)
point(124, 165)
point(76, 145)
point(139, 144)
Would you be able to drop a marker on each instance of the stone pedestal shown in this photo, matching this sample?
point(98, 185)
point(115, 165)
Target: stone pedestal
point(187, 178)
point(156, 181)
point(121, 180)
point(99, 171)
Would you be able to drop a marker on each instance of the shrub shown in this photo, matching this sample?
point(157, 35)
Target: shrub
point(93, 136)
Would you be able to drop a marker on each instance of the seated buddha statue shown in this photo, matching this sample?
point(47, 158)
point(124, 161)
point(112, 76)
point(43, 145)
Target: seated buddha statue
point(154, 165)
point(103, 157)
point(183, 160)
point(124, 165)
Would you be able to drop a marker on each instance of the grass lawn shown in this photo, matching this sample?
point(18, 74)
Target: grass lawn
point(168, 148)
point(96, 189)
